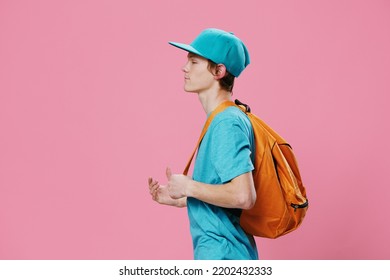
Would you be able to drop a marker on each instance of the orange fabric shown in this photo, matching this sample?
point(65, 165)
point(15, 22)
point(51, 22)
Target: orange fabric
point(281, 202)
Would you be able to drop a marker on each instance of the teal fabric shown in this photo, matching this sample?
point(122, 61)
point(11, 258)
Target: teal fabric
point(226, 152)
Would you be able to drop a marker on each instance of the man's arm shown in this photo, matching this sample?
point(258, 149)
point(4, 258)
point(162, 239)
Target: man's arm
point(238, 193)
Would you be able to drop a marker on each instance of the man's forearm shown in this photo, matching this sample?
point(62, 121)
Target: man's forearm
point(239, 193)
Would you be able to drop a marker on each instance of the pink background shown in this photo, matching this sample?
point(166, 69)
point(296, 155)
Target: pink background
point(92, 103)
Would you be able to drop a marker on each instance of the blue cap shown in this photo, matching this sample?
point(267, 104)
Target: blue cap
point(220, 47)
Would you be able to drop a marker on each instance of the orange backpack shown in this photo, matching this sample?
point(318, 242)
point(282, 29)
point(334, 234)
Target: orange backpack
point(281, 202)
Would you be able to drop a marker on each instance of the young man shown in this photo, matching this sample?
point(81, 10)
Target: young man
point(222, 183)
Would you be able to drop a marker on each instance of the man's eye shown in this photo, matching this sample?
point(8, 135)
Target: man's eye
point(194, 62)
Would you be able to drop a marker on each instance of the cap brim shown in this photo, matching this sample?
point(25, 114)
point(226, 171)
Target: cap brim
point(186, 47)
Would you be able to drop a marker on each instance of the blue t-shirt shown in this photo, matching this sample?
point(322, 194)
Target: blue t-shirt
point(226, 152)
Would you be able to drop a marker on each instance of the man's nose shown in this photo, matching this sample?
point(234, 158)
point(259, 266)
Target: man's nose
point(185, 68)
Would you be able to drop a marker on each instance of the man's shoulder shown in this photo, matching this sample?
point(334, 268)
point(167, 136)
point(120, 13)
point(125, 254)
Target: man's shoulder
point(231, 115)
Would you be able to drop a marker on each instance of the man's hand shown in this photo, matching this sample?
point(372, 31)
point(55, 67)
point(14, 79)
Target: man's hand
point(177, 184)
point(160, 194)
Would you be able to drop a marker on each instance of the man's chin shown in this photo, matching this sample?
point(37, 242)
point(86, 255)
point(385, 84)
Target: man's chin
point(186, 89)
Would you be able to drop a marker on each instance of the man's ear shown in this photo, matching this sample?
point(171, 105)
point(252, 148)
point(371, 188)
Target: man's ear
point(220, 72)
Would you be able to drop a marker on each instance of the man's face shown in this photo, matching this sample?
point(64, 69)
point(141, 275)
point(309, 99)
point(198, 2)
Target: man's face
point(197, 77)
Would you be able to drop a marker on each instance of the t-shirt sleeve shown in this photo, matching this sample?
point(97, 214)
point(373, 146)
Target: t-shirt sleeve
point(231, 155)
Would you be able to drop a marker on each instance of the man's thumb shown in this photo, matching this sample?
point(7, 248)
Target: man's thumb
point(169, 173)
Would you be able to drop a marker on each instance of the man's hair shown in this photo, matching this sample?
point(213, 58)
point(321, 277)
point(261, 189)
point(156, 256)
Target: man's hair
point(227, 82)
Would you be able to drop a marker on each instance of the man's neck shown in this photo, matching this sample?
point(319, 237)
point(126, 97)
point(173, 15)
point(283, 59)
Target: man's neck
point(211, 99)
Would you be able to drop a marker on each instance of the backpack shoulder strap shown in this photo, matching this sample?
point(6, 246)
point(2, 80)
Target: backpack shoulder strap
point(218, 110)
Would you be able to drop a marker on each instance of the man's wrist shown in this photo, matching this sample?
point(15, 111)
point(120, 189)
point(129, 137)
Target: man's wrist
point(190, 188)
point(181, 202)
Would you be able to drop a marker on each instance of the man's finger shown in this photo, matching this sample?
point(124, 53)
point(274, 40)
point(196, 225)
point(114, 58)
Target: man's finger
point(169, 173)
point(154, 185)
point(154, 188)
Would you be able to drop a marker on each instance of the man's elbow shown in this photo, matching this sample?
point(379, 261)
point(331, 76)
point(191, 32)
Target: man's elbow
point(247, 201)
point(244, 191)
